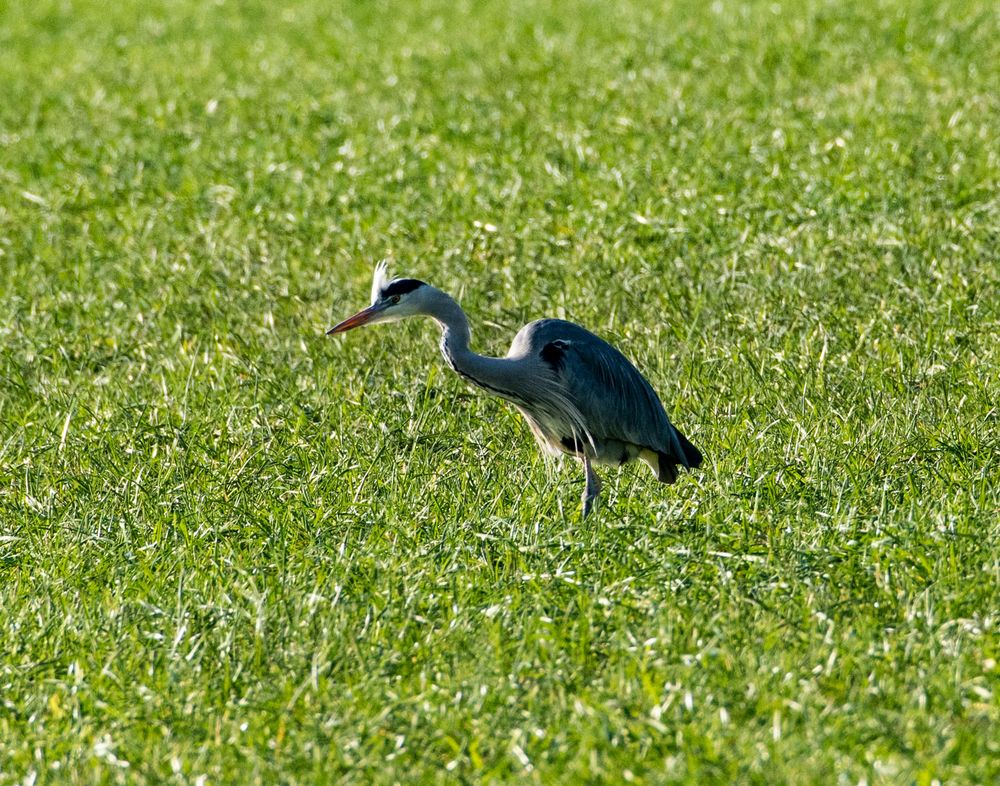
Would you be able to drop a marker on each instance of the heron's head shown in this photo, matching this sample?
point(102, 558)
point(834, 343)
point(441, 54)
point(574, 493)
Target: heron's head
point(391, 301)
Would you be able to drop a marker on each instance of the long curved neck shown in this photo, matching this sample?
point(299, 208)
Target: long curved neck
point(499, 376)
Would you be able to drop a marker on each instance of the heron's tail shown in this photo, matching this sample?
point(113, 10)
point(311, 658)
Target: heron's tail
point(666, 470)
point(691, 453)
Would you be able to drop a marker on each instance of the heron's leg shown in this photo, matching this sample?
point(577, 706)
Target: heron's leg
point(591, 489)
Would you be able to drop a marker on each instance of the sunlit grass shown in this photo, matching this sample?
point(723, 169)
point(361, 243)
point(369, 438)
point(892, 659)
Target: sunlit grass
point(234, 549)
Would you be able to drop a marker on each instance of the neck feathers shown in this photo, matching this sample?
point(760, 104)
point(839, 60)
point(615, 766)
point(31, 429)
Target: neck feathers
point(499, 376)
point(520, 381)
point(454, 324)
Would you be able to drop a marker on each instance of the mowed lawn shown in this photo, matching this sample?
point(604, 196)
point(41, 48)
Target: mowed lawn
point(234, 550)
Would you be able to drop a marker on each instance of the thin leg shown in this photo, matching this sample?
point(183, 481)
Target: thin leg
point(592, 489)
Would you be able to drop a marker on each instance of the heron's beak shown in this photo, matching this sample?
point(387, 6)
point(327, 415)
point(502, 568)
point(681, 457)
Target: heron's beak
point(359, 319)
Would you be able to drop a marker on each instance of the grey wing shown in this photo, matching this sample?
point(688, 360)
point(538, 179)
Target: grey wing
point(614, 399)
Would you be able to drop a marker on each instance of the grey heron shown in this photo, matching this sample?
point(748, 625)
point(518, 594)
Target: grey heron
point(579, 394)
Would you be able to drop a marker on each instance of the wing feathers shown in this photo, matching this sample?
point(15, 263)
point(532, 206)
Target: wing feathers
point(614, 400)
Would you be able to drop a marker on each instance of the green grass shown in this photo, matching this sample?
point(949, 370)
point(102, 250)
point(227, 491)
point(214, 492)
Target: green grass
point(233, 550)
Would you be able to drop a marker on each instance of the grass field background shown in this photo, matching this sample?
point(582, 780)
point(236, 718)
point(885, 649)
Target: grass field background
point(233, 550)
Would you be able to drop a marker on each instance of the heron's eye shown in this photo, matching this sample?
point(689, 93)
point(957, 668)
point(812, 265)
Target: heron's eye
point(394, 298)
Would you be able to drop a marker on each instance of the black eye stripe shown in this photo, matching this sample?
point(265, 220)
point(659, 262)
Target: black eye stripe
point(401, 286)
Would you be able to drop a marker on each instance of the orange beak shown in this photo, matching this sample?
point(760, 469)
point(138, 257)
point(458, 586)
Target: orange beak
point(359, 319)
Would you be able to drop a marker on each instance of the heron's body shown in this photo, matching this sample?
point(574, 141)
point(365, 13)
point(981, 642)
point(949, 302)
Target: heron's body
point(579, 394)
point(561, 354)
